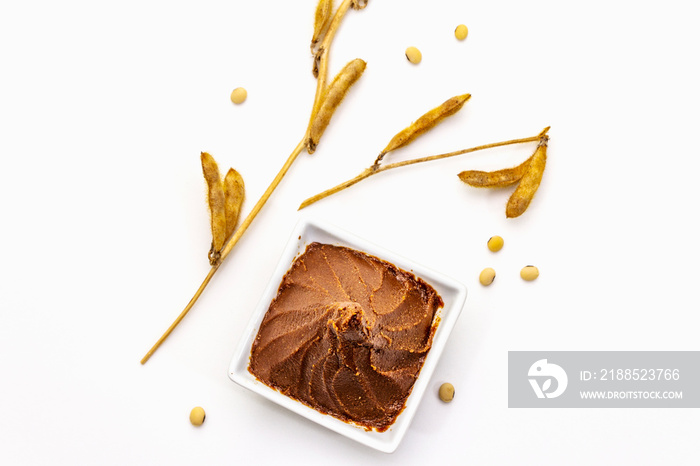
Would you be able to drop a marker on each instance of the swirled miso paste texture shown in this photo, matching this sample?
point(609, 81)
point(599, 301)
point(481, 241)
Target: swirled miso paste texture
point(347, 335)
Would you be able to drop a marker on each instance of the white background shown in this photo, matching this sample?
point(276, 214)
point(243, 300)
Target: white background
point(105, 107)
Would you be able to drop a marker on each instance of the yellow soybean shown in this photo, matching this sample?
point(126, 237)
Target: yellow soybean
point(487, 276)
point(461, 32)
point(446, 392)
point(239, 95)
point(413, 55)
point(529, 273)
point(495, 243)
point(197, 416)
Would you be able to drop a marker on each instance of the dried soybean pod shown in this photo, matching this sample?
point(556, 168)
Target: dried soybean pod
point(332, 98)
point(495, 179)
point(324, 13)
point(425, 123)
point(217, 208)
point(523, 194)
point(234, 194)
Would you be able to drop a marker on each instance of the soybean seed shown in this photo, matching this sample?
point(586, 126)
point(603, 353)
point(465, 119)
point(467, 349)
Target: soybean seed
point(495, 243)
point(413, 55)
point(446, 392)
point(529, 273)
point(197, 416)
point(239, 95)
point(461, 32)
point(486, 276)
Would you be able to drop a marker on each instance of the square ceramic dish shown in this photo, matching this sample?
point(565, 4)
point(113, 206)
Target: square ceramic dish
point(453, 293)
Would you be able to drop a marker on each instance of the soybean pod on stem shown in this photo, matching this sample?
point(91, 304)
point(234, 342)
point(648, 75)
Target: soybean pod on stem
point(334, 95)
point(527, 175)
point(495, 179)
point(217, 205)
point(425, 123)
point(228, 247)
point(321, 59)
point(322, 19)
point(376, 169)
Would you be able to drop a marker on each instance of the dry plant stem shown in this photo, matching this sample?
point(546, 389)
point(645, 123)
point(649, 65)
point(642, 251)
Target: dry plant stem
point(230, 244)
point(263, 199)
point(320, 87)
point(182, 315)
point(373, 170)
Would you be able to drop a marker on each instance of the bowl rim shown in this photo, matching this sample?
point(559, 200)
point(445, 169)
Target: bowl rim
point(306, 231)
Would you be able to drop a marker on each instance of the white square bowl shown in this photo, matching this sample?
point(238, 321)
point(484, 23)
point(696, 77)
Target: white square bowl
point(453, 294)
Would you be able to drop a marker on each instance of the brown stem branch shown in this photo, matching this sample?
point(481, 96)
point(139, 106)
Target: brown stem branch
point(182, 315)
point(230, 243)
point(375, 169)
